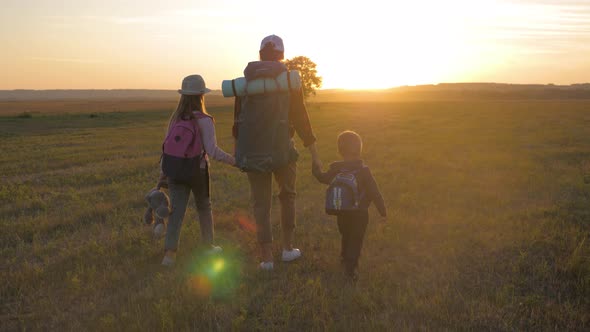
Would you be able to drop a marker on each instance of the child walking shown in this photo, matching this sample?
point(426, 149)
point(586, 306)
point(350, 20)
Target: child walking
point(191, 112)
point(351, 191)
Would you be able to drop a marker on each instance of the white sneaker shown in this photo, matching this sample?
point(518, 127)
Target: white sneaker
point(168, 261)
point(266, 266)
point(214, 250)
point(159, 230)
point(291, 255)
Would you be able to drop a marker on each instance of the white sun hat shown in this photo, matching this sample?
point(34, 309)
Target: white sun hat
point(275, 41)
point(193, 85)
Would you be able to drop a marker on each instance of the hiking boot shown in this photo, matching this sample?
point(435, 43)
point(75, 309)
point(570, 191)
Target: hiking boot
point(291, 255)
point(266, 266)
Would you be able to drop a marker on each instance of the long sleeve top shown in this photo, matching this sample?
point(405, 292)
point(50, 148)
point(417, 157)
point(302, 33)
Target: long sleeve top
point(365, 179)
point(209, 139)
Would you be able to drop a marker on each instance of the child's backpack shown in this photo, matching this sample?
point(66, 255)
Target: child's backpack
point(263, 142)
point(182, 150)
point(343, 193)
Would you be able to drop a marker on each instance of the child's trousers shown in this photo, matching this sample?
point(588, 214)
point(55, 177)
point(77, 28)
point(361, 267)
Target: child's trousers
point(179, 196)
point(352, 227)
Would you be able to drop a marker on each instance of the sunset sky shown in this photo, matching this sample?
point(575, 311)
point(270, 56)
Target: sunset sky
point(112, 44)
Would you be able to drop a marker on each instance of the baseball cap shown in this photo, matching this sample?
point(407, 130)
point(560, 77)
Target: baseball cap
point(276, 42)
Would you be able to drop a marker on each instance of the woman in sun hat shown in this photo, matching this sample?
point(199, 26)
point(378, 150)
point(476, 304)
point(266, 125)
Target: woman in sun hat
point(191, 106)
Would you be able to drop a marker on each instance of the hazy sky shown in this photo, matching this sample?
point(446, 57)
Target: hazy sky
point(49, 44)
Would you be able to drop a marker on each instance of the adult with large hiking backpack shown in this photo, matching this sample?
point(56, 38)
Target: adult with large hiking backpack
point(189, 143)
point(264, 126)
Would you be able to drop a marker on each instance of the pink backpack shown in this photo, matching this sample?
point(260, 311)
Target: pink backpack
point(182, 149)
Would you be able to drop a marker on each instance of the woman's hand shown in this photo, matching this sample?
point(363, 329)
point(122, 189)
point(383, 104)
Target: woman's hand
point(315, 158)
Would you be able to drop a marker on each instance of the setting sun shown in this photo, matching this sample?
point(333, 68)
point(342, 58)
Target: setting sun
point(374, 45)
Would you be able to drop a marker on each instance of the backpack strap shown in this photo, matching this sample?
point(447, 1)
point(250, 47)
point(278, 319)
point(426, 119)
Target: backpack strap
point(200, 115)
point(289, 79)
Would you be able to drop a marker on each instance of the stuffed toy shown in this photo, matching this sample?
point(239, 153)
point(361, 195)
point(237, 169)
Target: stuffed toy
point(158, 207)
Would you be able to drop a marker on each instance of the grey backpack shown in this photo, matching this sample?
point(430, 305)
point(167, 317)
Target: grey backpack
point(343, 194)
point(263, 142)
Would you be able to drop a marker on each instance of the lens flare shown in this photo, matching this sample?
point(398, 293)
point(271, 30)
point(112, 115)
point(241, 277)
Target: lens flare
point(200, 285)
point(218, 265)
point(245, 223)
point(215, 275)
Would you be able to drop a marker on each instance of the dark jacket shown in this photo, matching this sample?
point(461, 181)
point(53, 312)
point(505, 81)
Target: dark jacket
point(298, 118)
point(365, 180)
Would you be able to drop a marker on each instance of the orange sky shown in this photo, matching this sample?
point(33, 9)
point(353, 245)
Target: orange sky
point(153, 44)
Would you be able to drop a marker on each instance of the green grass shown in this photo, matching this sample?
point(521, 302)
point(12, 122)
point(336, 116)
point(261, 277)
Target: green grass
point(489, 218)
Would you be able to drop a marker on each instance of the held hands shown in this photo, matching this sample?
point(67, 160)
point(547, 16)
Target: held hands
point(315, 158)
point(316, 163)
point(316, 168)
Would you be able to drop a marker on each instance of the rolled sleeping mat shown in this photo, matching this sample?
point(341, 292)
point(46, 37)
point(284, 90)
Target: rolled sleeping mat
point(288, 80)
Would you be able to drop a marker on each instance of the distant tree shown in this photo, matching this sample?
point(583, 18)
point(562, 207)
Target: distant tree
point(310, 81)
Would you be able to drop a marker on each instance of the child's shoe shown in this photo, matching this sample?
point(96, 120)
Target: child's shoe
point(350, 271)
point(159, 230)
point(214, 250)
point(291, 255)
point(353, 277)
point(266, 266)
point(169, 259)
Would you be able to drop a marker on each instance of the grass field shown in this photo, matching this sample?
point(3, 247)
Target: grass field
point(489, 219)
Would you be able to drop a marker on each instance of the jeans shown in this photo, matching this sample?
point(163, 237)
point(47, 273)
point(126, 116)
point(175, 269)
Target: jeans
point(179, 196)
point(352, 227)
point(261, 196)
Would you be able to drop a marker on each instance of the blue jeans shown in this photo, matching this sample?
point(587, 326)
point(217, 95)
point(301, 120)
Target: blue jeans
point(179, 196)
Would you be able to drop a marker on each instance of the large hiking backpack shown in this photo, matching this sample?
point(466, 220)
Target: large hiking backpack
point(263, 142)
point(343, 193)
point(182, 150)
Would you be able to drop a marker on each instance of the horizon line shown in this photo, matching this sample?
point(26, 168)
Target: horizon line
point(319, 89)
